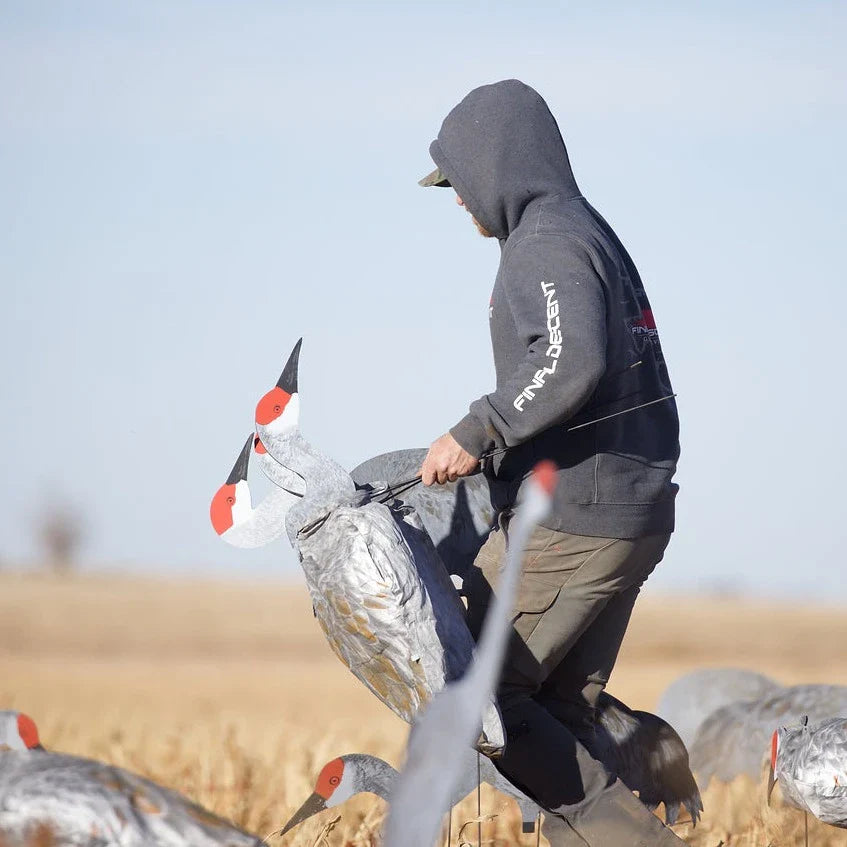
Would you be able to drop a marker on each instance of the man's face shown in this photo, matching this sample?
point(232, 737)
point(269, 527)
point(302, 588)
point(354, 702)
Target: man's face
point(482, 230)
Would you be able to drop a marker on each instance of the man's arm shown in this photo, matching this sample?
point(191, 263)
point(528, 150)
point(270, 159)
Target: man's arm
point(559, 309)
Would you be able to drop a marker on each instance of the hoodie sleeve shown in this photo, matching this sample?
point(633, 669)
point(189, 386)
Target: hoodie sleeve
point(558, 306)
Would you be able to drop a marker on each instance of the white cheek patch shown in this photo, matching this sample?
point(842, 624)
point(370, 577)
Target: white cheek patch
point(344, 791)
point(242, 509)
point(288, 420)
point(12, 741)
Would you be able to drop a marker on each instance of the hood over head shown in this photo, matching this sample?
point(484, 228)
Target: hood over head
point(501, 148)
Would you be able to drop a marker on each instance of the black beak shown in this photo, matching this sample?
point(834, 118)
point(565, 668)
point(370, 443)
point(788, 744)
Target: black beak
point(239, 469)
point(771, 784)
point(288, 379)
point(312, 806)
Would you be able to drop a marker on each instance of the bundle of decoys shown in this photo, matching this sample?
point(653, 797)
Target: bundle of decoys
point(377, 557)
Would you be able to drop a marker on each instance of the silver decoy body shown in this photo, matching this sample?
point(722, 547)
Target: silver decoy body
point(810, 764)
point(689, 700)
point(379, 590)
point(734, 739)
point(85, 803)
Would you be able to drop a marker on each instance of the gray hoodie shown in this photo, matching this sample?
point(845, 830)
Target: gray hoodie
point(572, 330)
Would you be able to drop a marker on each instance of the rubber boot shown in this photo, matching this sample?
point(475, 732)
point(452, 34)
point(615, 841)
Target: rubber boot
point(616, 819)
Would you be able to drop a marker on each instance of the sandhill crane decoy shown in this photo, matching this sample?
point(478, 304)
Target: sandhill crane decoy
point(810, 763)
point(357, 773)
point(641, 748)
point(379, 590)
point(421, 794)
point(84, 803)
point(689, 700)
point(734, 739)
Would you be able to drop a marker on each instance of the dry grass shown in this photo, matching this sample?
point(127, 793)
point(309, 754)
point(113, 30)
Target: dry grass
point(228, 693)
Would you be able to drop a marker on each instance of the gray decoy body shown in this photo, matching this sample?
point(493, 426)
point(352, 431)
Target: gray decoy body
point(734, 739)
point(85, 803)
point(810, 764)
point(689, 700)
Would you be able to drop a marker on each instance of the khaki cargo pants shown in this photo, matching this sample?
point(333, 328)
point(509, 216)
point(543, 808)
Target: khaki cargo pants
point(573, 605)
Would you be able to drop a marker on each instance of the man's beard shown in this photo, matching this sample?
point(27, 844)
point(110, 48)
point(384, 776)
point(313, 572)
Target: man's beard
point(482, 230)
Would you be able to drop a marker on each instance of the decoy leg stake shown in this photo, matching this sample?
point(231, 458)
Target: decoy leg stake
point(479, 800)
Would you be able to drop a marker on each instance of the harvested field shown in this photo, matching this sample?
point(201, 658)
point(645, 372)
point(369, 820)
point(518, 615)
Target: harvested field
point(228, 693)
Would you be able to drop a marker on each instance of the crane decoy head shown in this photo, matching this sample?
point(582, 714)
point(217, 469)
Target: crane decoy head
point(231, 505)
point(332, 788)
point(340, 779)
point(233, 516)
point(776, 749)
point(278, 412)
point(772, 777)
point(18, 732)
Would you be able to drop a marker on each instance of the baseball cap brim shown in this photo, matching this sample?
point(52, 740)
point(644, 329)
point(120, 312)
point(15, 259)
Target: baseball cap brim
point(436, 178)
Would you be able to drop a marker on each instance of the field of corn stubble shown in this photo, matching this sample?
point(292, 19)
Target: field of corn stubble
point(228, 693)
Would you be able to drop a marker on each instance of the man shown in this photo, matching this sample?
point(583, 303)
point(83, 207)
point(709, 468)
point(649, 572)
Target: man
point(574, 340)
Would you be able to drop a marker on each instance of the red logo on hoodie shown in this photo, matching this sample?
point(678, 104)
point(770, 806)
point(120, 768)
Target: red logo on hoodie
point(645, 325)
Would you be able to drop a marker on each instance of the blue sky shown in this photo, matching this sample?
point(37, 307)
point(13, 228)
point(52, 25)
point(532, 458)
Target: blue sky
point(188, 187)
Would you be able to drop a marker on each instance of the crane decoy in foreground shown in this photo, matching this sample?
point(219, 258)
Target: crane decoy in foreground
point(810, 763)
point(421, 794)
point(379, 590)
point(84, 803)
point(691, 698)
point(357, 773)
point(734, 739)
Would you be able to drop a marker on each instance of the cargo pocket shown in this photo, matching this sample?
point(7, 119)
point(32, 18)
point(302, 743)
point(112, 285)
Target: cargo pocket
point(535, 596)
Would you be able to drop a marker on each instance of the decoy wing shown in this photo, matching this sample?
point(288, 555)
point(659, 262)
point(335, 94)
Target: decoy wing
point(648, 756)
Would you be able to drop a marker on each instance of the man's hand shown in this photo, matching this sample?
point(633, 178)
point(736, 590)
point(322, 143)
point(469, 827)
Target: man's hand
point(447, 461)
